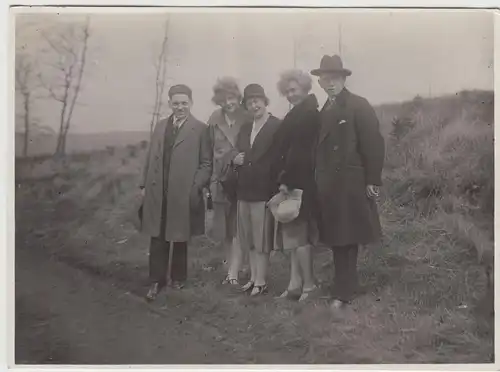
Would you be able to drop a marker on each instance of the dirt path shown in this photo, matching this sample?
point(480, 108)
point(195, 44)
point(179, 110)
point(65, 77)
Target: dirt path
point(71, 317)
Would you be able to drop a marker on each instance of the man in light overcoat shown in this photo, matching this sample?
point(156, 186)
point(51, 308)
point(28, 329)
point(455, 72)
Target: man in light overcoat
point(349, 159)
point(178, 167)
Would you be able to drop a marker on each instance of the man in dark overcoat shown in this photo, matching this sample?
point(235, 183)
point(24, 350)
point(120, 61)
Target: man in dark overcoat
point(349, 157)
point(178, 167)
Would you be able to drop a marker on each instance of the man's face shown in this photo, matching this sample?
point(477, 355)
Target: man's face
point(256, 106)
point(332, 83)
point(231, 103)
point(180, 105)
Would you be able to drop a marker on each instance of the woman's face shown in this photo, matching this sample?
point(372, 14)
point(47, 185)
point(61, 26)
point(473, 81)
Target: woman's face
point(230, 103)
point(294, 93)
point(256, 106)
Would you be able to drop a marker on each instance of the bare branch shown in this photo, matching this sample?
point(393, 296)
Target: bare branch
point(161, 73)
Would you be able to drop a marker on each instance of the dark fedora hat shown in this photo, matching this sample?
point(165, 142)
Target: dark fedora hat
point(254, 91)
point(331, 64)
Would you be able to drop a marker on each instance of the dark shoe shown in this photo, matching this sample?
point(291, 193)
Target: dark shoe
point(177, 285)
point(290, 294)
point(338, 305)
point(153, 292)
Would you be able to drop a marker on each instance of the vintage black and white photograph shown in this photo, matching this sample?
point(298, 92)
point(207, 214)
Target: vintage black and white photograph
point(253, 186)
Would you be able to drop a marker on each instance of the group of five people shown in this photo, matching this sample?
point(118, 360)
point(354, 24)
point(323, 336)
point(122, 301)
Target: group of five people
point(328, 162)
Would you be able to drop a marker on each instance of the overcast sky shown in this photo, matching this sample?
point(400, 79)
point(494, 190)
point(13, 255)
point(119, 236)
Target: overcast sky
point(393, 55)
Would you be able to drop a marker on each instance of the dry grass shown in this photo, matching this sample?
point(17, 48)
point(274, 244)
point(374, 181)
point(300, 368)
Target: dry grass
point(421, 288)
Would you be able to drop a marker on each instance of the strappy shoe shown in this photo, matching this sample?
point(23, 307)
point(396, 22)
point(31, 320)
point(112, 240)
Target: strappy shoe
point(258, 290)
point(227, 280)
point(309, 293)
point(247, 287)
point(290, 294)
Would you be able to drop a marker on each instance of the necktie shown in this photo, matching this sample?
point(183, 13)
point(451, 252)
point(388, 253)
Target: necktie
point(330, 103)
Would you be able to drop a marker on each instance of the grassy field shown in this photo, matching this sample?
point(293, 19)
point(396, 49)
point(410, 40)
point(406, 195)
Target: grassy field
point(426, 295)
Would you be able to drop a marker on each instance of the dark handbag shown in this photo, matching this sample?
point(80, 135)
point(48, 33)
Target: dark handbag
point(229, 182)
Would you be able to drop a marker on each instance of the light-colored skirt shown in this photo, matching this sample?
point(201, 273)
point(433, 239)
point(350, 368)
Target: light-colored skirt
point(294, 234)
point(224, 221)
point(255, 226)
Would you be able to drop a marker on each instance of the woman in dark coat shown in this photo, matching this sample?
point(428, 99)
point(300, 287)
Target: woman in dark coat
point(295, 141)
point(256, 184)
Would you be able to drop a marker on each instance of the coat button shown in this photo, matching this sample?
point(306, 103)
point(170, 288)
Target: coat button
point(153, 183)
point(337, 169)
point(335, 148)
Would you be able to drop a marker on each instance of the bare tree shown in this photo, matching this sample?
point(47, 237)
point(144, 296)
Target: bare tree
point(24, 78)
point(161, 76)
point(69, 46)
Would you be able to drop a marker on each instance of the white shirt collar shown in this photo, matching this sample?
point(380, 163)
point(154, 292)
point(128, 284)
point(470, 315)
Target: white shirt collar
point(179, 122)
point(229, 122)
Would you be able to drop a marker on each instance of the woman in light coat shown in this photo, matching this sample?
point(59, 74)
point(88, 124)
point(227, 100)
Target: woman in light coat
point(224, 125)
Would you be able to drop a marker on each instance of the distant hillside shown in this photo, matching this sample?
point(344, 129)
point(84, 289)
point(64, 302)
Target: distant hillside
point(77, 143)
point(439, 107)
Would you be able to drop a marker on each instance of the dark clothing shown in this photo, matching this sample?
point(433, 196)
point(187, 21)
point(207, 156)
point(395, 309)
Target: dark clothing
point(349, 156)
point(257, 180)
point(295, 140)
point(159, 255)
point(158, 261)
point(346, 275)
point(168, 143)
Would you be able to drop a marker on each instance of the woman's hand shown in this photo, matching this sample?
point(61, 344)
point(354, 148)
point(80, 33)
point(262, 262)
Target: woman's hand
point(372, 191)
point(239, 159)
point(284, 189)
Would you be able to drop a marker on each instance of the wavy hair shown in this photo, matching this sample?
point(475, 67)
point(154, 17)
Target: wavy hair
point(223, 87)
point(302, 78)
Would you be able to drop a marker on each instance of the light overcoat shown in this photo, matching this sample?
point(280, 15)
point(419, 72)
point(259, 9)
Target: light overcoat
point(190, 169)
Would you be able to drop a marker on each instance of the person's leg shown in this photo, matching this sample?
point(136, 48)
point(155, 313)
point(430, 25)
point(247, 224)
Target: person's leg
point(236, 260)
point(179, 264)
point(346, 278)
point(304, 259)
point(262, 262)
point(295, 276)
point(158, 257)
point(245, 239)
point(295, 283)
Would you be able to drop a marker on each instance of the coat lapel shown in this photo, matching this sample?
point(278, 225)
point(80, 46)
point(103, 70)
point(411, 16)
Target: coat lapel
point(185, 130)
point(331, 116)
point(262, 141)
point(229, 133)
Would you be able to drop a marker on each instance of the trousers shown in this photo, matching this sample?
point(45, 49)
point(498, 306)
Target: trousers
point(346, 283)
point(159, 250)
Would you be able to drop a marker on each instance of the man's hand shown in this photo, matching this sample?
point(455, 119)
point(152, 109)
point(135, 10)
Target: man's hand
point(238, 160)
point(372, 191)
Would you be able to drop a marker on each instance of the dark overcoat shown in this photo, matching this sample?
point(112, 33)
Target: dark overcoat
point(257, 180)
point(189, 171)
point(349, 156)
point(295, 140)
